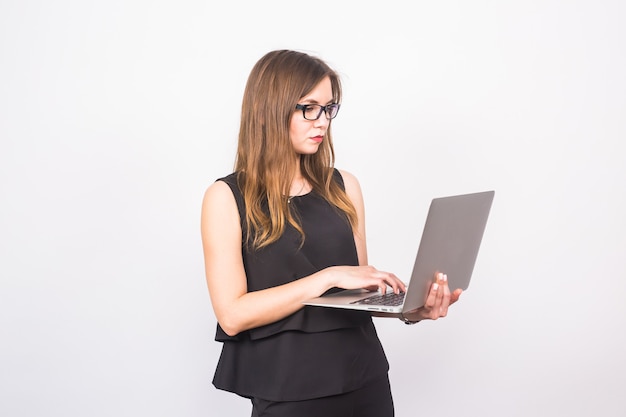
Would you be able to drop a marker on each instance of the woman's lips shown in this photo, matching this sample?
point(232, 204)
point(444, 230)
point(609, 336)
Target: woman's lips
point(318, 139)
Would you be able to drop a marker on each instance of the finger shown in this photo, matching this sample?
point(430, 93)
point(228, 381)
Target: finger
point(445, 302)
point(432, 296)
point(442, 281)
point(435, 311)
point(401, 284)
point(396, 284)
point(454, 297)
point(386, 279)
point(379, 282)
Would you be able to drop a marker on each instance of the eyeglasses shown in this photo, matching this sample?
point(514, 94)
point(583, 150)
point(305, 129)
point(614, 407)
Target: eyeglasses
point(314, 111)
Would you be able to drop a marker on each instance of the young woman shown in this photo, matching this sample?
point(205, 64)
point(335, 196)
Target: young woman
point(287, 226)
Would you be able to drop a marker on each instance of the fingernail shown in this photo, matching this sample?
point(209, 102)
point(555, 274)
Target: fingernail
point(435, 286)
point(445, 278)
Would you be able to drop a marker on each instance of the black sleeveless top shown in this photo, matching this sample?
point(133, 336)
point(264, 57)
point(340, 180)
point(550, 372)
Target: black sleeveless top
point(316, 351)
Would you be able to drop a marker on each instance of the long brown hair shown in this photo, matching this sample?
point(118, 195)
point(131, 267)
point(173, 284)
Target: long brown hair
point(265, 154)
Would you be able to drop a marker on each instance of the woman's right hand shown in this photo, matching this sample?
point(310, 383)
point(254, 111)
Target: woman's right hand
point(366, 277)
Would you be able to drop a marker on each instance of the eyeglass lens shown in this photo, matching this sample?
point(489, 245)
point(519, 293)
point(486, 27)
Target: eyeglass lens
point(314, 111)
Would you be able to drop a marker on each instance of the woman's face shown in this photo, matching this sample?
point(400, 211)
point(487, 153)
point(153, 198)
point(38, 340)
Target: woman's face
point(307, 135)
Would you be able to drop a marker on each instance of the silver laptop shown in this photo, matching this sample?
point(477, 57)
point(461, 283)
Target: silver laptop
point(450, 241)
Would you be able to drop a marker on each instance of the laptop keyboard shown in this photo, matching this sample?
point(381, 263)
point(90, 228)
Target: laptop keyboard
point(388, 299)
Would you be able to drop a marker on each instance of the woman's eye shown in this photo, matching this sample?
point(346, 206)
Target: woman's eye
point(311, 110)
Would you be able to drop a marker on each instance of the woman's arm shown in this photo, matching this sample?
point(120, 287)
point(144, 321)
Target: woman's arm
point(353, 190)
point(237, 309)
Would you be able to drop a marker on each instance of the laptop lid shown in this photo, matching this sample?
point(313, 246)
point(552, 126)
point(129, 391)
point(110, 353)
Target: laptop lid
point(450, 242)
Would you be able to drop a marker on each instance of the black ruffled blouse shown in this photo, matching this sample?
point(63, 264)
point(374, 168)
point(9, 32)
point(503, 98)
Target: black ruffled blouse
point(316, 351)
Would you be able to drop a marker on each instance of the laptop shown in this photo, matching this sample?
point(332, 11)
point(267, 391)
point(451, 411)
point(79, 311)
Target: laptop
point(449, 244)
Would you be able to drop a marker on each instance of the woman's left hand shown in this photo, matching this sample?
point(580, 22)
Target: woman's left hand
point(438, 300)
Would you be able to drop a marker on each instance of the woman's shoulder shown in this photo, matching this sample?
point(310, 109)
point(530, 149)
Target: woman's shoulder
point(344, 174)
point(230, 179)
point(348, 180)
point(222, 190)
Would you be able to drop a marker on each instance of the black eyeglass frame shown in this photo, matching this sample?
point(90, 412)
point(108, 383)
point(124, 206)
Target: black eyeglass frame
point(323, 109)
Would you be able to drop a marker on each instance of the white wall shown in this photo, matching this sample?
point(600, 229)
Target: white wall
point(115, 116)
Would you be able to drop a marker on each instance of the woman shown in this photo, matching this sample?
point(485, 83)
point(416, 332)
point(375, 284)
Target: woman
point(287, 226)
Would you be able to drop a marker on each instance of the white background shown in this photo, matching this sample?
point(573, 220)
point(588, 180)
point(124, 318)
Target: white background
point(115, 116)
